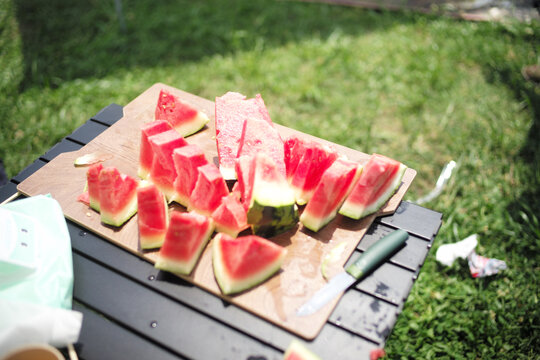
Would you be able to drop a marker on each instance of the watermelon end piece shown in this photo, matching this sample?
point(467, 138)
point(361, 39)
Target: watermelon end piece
point(298, 351)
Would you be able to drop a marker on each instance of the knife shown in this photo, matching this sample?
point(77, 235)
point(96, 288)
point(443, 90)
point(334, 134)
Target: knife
point(368, 261)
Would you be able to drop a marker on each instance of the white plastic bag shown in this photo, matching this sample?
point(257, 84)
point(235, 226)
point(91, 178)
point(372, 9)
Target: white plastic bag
point(36, 275)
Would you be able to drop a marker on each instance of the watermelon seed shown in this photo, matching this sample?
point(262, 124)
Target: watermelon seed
point(24, 244)
point(24, 230)
point(153, 324)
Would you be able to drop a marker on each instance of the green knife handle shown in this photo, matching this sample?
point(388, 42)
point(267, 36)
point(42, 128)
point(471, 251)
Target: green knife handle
point(377, 253)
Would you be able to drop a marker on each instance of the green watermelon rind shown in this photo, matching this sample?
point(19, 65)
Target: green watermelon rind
point(229, 286)
point(273, 209)
point(299, 351)
point(185, 267)
point(193, 125)
point(356, 212)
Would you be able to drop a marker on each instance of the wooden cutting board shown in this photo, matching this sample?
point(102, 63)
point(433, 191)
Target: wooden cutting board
point(277, 299)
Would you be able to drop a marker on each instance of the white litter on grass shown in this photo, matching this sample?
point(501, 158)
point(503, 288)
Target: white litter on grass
point(446, 173)
point(448, 253)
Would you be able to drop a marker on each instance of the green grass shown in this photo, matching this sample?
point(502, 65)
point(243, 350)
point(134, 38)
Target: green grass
point(422, 89)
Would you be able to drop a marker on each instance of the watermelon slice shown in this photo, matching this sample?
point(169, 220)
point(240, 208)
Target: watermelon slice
point(186, 161)
point(232, 109)
point(260, 136)
point(379, 180)
point(186, 237)
point(183, 117)
point(92, 182)
point(163, 172)
point(245, 171)
point(298, 351)
point(333, 188)
point(314, 162)
point(146, 154)
point(272, 208)
point(230, 217)
point(243, 262)
point(153, 216)
point(294, 148)
point(209, 189)
point(117, 196)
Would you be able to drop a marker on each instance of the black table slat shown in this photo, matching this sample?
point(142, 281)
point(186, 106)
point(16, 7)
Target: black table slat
point(411, 256)
point(177, 327)
point(100, 337)
point(87, 132)
point(7, 190)
point(414, 219)
point(365, 315)
point(61, 147)
point(29, 170)
point(389, 282)
point(110, 114)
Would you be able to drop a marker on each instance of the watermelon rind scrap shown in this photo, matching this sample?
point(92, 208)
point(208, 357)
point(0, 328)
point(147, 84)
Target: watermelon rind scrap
point(298, 351)
point(356, 211)
point(227, 283)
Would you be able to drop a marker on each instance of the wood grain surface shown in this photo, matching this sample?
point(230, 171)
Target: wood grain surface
point(277, 299)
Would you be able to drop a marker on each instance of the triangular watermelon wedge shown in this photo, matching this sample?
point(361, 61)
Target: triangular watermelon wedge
point(163, 172)
point(243, 262)
point(117, 196)
point(146, 153)
point(153, 216)
point(183, 117)
point(314, 162)
point(334, 186)
point(230, 217)
point(187, 235)
point(186, 161)
point(209, 189)
point(380, 178)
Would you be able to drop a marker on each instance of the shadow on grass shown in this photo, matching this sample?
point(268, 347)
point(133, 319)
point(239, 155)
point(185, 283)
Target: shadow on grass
point(63, 40)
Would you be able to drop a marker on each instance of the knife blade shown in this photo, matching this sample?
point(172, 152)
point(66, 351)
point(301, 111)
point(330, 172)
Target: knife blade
point(368, 261)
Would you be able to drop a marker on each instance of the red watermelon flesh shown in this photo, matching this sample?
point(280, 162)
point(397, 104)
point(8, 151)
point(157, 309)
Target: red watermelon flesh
point(163, 172)
point(153, 216)
point(230, 217)
point(209, 189)
point(232, 109)
point(117, 196)
point(186, 161)
point(333, 188)
point(245, 171)
point(380, 178)
point(294, 148)
point(314, 162)
point(259, 136)
point(187, 235)
point(92, 181)
point(183, 117)
point(146, 154)
point(243, 262)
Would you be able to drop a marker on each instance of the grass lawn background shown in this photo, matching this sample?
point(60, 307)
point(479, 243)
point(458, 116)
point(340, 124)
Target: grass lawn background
point(421, 89)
